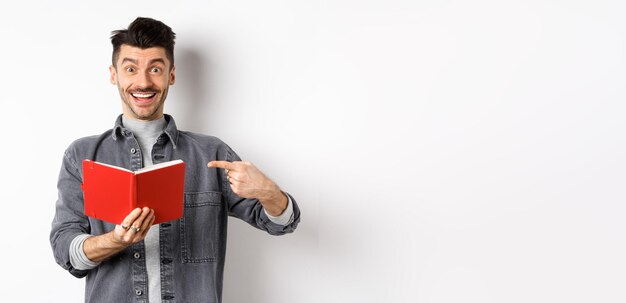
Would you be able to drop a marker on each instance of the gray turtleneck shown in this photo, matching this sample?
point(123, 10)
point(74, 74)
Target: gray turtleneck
point(147, 134)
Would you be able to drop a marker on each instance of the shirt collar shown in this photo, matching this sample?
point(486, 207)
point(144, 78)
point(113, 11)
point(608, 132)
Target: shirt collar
point(170, 130)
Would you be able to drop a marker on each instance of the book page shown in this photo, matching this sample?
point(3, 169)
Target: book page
point(113, 166)
point(158, 166)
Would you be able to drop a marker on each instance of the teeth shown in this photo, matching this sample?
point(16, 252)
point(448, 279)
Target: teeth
point(144, 95)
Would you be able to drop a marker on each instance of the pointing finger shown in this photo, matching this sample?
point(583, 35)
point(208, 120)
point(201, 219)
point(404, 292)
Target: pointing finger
point(220, 164)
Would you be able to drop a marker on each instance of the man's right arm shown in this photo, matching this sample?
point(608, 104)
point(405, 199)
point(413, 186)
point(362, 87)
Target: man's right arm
point(70, 223)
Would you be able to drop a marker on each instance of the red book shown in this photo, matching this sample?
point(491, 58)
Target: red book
point(112, 192)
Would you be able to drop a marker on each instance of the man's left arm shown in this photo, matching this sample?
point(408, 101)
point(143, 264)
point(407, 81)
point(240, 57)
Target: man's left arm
point(247, 181)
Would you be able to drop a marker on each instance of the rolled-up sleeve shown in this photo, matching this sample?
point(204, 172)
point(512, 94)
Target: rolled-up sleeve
point(286, 217)
point(69, 220)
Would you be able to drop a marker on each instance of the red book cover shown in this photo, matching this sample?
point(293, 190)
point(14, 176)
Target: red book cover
point(111, 192)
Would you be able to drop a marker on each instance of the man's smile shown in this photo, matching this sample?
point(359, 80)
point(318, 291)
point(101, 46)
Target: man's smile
point(143, 97)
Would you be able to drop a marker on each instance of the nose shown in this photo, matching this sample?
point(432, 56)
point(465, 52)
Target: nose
point(143, 80)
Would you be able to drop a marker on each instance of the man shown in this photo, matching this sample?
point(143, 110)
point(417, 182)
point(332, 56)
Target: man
point(176, 261)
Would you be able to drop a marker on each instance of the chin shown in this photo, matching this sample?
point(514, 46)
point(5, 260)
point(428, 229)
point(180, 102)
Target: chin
point(146, 114)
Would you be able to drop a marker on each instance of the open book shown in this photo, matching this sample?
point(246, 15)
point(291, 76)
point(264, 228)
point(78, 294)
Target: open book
point(112, 192)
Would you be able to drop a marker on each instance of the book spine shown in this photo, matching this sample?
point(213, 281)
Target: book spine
point(133, 192)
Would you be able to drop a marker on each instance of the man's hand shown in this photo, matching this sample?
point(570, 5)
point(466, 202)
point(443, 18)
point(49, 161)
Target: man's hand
point(133, 229)
point(247, 181)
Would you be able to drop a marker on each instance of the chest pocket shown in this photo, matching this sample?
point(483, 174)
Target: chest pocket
point(203, 227)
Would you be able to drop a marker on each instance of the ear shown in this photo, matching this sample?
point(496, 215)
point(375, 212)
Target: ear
point(113, 73)
point(173, 75)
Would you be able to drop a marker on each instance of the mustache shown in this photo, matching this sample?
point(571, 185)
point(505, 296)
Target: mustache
point(144, 90)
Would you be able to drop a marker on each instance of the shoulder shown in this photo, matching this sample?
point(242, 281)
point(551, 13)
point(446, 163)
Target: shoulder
point(81, 148)
point(211, 146)
point(192, 138)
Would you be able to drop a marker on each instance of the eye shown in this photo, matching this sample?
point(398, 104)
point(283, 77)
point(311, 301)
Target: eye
point(156, 70)
point(130, 69)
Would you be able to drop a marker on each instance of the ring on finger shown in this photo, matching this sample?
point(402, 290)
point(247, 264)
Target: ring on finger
point(124, 227)
point(136, 229)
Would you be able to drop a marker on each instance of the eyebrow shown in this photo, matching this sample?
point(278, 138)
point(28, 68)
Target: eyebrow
point(134, 61)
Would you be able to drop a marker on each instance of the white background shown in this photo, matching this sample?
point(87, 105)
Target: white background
point(440, 151)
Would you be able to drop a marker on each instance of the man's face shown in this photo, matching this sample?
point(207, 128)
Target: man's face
point(143, 77)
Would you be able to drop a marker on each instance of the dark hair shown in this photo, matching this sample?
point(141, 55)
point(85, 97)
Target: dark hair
point(144, 33)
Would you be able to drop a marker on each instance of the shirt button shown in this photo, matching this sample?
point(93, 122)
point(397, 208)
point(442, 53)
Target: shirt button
point(132, 150)
point(138, 292)
point(137, 255)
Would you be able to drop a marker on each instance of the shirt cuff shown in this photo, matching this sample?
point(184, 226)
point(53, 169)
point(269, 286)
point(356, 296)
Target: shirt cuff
point(286, 217)
point(78, 259)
